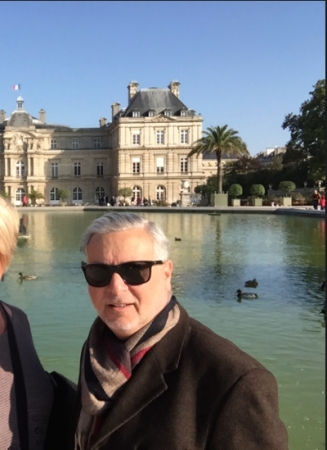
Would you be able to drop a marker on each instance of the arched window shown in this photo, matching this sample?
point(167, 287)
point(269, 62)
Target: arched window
point(20, 192)
point(161, 193)
point(77, 194)
point(54, 194)
point(137, 192)
point(99, 192)
point(20, 169)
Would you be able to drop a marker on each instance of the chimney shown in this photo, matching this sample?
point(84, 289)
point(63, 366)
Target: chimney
point(2, 116)
point(103, 122)
point(132, 90)
point(174, 87)
point(42, 115)
point(115, 109)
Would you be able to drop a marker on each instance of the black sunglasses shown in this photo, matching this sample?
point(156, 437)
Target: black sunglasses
point(133, 272)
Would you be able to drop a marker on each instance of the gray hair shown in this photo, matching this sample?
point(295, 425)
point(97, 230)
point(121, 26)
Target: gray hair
point(117, 221)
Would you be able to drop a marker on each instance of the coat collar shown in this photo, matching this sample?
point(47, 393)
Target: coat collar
point(148, 381)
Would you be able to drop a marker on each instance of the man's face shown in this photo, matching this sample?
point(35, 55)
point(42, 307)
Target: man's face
point(125, 308)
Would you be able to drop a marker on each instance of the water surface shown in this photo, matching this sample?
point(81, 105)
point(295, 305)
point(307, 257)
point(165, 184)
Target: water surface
point(217, 254)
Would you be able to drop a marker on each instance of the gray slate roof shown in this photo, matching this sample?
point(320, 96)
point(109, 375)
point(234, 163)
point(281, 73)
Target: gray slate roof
point(156, 99)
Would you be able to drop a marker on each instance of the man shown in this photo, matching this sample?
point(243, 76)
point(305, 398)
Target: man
point(151, 377)
point(315, 199)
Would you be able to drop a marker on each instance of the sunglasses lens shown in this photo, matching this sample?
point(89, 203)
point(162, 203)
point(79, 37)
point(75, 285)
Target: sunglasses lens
point(98, 275)
point(135, 273)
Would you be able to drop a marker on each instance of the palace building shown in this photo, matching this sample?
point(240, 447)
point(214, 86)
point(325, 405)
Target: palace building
point(143, 147)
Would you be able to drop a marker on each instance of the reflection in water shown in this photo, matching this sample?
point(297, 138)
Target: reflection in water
point(216, 255)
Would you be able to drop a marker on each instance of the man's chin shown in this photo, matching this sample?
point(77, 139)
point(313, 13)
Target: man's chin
point(122, 328)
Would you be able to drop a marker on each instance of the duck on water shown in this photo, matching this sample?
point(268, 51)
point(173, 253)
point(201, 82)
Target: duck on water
point(26, 277)
point(251, 283)
point(246, 295)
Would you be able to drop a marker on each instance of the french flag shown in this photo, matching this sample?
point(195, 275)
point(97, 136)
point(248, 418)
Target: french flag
point(16, 87)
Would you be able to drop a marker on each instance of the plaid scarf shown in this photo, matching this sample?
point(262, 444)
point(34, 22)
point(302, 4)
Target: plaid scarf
point(107, 363)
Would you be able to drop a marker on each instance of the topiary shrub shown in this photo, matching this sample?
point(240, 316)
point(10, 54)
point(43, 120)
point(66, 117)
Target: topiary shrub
point(287, 187)
point(235, 190)
point(257, 190)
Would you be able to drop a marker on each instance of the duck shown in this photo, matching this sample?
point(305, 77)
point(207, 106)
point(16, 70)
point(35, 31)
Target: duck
point(26, 277)
point(251, 283)
point(246, 295)
point(177, 239)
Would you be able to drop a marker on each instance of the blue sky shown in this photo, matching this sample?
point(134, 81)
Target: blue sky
point(244, 64)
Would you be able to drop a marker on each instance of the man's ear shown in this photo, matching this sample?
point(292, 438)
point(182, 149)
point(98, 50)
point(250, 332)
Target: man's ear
point(168, 268)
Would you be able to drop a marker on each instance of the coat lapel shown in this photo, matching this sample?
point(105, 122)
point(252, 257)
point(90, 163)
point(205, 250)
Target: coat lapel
point(148, 382)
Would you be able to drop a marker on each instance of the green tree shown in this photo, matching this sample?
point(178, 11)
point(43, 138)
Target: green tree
point(125, 192)
point(207, 189)
point(245, 164)
point(307, 145)
point(219, 140)
point(235, 190)
point(34, 195)
point(287, 187)
point(257, 190)
point(63, 194)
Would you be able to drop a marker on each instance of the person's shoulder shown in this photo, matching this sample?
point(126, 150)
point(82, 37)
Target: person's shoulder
point(212, 347)
point(14, 311)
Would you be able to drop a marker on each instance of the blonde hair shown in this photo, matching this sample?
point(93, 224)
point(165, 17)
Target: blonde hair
point(9, 225)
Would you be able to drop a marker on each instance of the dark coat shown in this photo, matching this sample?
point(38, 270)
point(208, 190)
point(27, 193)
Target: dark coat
point(61, 414)
point(194, 390)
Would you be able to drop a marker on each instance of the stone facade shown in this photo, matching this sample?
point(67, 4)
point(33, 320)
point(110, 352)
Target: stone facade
point(144, 147)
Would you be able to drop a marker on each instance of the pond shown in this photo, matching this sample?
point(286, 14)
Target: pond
point(215, 256)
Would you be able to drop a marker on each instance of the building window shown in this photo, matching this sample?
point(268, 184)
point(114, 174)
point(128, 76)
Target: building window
point(19, 194)
point(136, 165)
point(136, 113)
point(54, 170)
point(160, 165)
point(77, 194)
point(184, 168)
point(96, 143)
point(151, 113)
point(160, 137)
point(167, 112)
point(77, 169)
point(184, 137)
point(100, 169)
point(183, 112)
point(136, 138)
point(161, 193)
point(9, 167)
point(137, 193)
point(53, 144)
point(99, 193)
point(75, 144)
point(20, 169)
point(54, 194)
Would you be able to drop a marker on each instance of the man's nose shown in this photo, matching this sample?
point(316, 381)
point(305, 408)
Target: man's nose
point(117, 284)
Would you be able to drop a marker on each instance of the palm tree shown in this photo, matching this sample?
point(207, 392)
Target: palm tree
point(219, 140)
point(34, 195)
